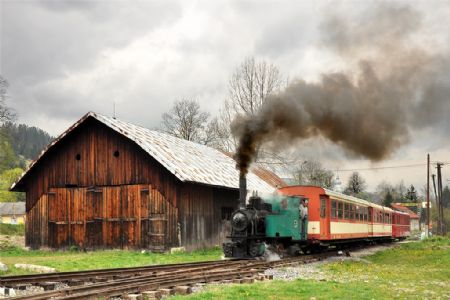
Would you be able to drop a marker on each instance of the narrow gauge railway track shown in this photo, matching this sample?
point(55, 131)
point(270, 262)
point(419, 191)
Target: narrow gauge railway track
point(171, 277)
point(92, 275)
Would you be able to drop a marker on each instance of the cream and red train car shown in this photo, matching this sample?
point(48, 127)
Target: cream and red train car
point(334, 216)
point(400, 225)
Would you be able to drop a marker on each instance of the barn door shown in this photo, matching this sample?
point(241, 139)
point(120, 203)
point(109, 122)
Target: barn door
point(157, 222)
point(94, 217)
point(130, 221)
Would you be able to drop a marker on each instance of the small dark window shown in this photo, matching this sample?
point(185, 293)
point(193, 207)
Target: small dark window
point(226, 213)
point(116, 153)
point(78, 156)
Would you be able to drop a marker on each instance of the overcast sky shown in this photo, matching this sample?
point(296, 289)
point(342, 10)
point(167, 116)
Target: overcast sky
point(65, 58)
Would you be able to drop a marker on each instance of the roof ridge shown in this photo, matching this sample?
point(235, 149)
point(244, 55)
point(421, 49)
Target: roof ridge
point(186, 160)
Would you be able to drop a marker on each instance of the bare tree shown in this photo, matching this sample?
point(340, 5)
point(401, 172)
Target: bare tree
point(185, 120)
point(215, 135)
point(248, 88)
point(6, 113)
point(250, 85)
point(313, 173)
point(356, 185)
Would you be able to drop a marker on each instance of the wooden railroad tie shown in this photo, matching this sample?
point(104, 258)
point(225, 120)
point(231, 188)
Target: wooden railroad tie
point(75, 282)
point(134, 297)
point(48, 285)
point(183, 290)
point(151, 295)
point(167, 292)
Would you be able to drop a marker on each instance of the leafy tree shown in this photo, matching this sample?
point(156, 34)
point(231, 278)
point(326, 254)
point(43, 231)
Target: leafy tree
point(411, 194)
point(388, 199)
point(446, 197)
point(7, 178)
point(8, 158)
point(356, 185)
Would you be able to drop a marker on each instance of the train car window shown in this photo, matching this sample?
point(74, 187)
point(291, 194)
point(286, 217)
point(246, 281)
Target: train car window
point(340, 210)
point(333, 209)
point(352, 212)
point(322, 207)
point(369, 214)
point(346, 211)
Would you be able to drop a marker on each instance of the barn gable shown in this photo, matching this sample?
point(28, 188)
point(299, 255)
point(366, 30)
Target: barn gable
point(188, 161)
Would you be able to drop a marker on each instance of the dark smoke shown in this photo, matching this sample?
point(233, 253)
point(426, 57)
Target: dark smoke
point(367, 110)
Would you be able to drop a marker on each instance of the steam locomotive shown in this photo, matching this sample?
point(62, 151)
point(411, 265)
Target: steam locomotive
point(332, 219)
point(274, 222)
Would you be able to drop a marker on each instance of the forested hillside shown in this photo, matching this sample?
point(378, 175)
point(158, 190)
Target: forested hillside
point(19, 144)
point(27, 141)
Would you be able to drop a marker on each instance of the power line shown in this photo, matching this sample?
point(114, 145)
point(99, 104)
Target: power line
point(379, 168)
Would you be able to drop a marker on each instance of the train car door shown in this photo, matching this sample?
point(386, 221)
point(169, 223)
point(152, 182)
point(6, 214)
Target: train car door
point(370, 221)
point(324, 217)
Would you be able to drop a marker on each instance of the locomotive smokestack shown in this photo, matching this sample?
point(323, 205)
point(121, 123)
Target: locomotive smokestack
point(242, 189)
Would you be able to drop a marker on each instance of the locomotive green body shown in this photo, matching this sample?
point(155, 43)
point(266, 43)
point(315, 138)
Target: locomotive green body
point(285, 221)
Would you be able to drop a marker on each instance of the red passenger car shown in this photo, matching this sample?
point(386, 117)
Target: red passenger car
point(401, 225)
point(335, 217)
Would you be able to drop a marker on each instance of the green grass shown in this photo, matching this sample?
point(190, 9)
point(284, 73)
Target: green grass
point(75, 260)
point(417, 270)
point(10, 229)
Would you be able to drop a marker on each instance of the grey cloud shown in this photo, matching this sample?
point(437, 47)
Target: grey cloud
point(44, 43)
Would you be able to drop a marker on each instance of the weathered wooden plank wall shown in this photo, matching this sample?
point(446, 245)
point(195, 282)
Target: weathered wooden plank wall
point(200, 214)
point(117, 217)
point(83, 193)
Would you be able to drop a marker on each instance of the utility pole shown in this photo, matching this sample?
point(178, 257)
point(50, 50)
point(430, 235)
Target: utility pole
point(428, 195)
point(438, 200)
point(440, 208)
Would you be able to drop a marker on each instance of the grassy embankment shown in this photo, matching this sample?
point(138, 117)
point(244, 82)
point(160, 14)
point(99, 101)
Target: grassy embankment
point(417, 270)
point(78, 260)
point(10, 229)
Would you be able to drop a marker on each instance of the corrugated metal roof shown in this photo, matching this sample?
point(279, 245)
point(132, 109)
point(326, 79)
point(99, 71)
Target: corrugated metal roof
point(269, 177)
point(188, 161)
point(12, 208)
point(405, 210)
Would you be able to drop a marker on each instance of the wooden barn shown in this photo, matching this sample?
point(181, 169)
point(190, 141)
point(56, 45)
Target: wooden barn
point(106, 183)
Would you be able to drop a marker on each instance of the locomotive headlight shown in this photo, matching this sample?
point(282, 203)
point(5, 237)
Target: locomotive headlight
point(239, 221)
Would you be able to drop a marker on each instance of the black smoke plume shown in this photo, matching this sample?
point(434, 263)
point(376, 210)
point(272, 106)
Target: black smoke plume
point(369, 108)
